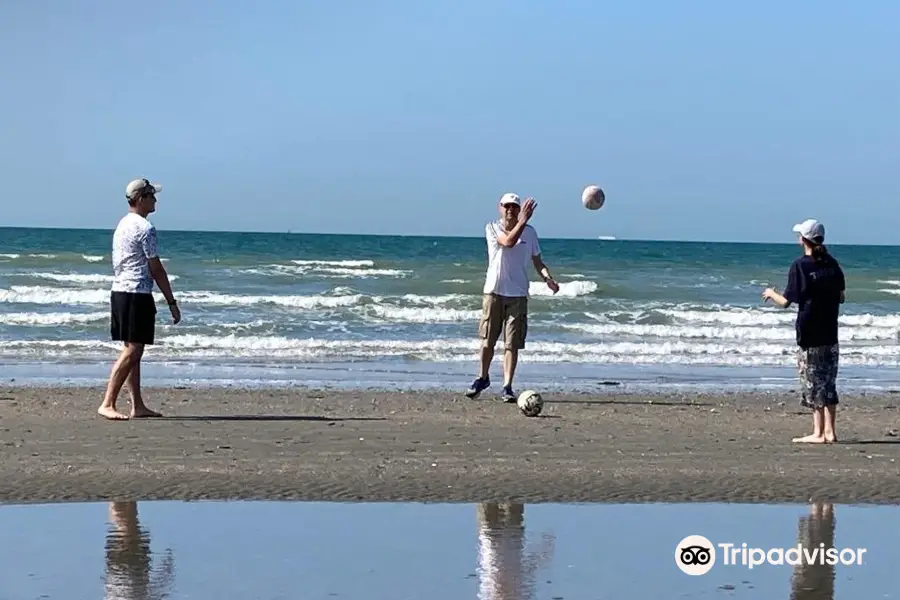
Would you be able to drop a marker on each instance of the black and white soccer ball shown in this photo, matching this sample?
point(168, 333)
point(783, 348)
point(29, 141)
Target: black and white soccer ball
point(530, 403)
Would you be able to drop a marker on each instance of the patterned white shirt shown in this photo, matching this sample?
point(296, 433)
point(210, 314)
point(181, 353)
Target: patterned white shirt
point(134, 244)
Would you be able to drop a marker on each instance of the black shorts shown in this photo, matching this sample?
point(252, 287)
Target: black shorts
point(132, 318)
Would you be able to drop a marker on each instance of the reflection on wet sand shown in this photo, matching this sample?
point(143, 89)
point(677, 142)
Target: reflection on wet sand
point(129, 571)
point(815, 581)
point(505, 572)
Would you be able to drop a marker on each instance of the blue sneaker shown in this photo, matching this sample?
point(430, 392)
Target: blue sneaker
point(507, 394)
point(478, 386)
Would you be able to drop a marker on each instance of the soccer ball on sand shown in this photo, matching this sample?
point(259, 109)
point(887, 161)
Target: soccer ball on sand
point(593, 197)
point(530, 403)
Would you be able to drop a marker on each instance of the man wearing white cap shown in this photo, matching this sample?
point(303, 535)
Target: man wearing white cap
point(512, 244)
point(136, 265)
point(816, 285)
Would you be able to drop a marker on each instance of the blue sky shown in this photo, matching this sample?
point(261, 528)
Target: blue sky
point(702, 120)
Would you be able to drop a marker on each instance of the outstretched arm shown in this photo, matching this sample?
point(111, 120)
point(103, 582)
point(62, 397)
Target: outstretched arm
point(792, 293)
point(774, 296)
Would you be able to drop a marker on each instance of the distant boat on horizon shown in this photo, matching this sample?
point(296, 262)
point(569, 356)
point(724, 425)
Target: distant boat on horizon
point(607, 238)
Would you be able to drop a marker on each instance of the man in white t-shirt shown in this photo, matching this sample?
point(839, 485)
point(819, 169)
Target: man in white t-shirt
point(136, 265)
point(512, 244)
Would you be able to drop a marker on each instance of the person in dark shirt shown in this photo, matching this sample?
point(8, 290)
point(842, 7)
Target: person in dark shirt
point(816, 285)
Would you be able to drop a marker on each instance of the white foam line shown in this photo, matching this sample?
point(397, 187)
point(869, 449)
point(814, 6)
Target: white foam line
point(447, 350)
point(336, 263)
point(748, 332)
point(78, 277)
point(52, 319)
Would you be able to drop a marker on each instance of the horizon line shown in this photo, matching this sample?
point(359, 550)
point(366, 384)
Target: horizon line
point(600, 238)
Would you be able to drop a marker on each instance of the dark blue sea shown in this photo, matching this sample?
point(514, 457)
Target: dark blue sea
point(390, 311)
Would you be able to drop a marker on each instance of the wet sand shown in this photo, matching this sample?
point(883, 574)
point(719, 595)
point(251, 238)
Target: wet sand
point(380, 446)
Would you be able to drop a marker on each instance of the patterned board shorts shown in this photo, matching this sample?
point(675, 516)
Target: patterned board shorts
point(818, 369)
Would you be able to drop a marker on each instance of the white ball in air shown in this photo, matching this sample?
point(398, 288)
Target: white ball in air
point(593, 197)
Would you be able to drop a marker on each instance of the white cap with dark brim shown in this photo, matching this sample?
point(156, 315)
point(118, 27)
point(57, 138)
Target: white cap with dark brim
point(510, 198)
point(140, 185)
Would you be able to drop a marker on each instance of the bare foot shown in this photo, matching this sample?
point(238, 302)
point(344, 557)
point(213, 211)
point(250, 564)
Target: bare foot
point(830, 439)
point(810, 439)
point(111, 414)
point(144, 413)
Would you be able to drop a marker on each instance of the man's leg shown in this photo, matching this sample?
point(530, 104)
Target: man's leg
point(486, 356)
point(510, 360)
point(121, 369)
point(489, 328)
point(138, 408)
point(515, 322)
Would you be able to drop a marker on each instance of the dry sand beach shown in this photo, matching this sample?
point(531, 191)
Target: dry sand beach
point(380, 446)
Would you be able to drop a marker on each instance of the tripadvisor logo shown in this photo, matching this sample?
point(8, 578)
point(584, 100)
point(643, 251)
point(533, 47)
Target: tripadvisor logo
point(696, 555)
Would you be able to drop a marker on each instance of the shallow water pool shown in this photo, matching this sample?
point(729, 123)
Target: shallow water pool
point(281, 550)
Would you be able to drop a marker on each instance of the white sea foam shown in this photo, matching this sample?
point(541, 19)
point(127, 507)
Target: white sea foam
point(92, 258)
point(567, 289)
point(682, 332)
point(336, 263)
point(52, 319)
point(10, 256)
point(735, 316)
point(344, 268)
point(361, 269)
point(232, 347)
point(422, 315)
point(293, 301)
point(79, 277)
point(23, 294)
point(54, 295)
point(72, 277)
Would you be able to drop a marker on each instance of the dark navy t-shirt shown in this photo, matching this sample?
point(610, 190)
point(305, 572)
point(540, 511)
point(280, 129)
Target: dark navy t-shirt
point(816, 290)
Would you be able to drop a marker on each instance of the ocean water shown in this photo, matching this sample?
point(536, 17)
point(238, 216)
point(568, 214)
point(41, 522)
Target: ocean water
point(403, 311)
point(278, 550)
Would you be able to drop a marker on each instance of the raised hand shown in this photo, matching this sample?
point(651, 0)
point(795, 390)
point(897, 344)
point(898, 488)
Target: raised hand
point(527, 210)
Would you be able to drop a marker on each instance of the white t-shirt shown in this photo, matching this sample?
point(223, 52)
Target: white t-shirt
point(134, 244)
point(507, 273)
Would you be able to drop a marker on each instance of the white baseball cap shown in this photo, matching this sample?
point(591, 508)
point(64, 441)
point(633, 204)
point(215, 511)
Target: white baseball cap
point(140, 185)
point(810, 229)
point(510, 199)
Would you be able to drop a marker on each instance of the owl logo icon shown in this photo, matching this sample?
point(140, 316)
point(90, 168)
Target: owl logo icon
point(695, 555)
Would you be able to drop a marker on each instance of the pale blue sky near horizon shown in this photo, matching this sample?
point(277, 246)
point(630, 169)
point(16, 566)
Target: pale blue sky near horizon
point(702, 120)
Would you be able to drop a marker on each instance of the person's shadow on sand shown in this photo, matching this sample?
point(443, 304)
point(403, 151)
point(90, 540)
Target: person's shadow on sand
point(130, 574)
